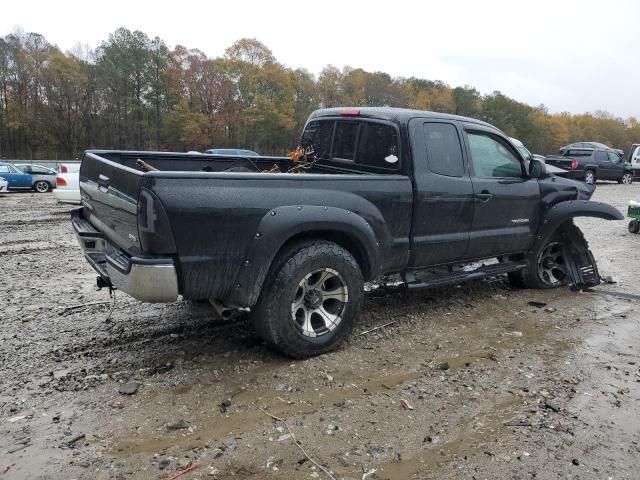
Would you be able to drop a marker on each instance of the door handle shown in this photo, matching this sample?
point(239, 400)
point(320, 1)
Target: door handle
point(484, 196)
point(103, 181)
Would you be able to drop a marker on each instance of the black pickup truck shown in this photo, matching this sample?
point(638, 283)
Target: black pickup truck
point(590, 164)
point(373, 194)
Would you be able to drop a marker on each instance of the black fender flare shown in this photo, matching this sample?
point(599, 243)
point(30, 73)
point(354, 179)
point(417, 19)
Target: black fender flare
point(284, 223)
point(563, 211)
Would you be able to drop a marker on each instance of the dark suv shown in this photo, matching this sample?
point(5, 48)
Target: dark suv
point(589, 164)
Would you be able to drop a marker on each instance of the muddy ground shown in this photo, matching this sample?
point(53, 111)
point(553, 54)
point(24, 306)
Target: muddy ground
point(498, 388)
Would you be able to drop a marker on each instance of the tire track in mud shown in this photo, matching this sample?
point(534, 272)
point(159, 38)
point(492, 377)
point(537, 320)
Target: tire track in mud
point(34, 221)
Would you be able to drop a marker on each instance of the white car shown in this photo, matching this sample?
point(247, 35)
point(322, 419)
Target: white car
point(4, 185)
point(68, 183)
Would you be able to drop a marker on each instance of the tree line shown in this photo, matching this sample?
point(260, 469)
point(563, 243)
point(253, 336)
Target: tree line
point(133, 92)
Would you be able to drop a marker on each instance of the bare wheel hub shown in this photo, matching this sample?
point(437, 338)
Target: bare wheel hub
point(552, 268)
point(313, 299)
point(319, 302)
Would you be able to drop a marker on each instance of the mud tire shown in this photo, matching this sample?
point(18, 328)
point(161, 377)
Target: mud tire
point(272, 315)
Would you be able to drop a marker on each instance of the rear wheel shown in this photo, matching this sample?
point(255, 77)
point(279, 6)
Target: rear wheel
point(42, 186)
point(590, 176)
point(310, 300)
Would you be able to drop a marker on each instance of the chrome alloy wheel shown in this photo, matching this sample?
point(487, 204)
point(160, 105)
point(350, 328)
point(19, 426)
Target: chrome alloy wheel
point(552, 268)
point(319, 302)
point(42, 187)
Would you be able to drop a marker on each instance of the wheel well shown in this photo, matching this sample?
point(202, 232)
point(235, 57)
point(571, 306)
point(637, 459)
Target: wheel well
point(345, 240)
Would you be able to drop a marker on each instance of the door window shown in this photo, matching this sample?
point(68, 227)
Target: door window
point(4, 169)
point(491, 158)
point(444, 152)
point(601, 156)
point(613, 157)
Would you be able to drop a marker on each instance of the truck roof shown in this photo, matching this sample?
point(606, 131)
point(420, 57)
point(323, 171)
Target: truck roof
point(393, 114)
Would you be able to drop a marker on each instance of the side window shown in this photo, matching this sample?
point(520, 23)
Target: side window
point(37, 169)
point(613, 157)
point(318, 136)
point(444, 152)
point(344, 141)
point(491, 158)
point(579, 153)
point(4, 169)
point(601, 156)
point(377, 146)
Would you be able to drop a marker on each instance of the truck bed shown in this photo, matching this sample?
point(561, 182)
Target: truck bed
point(214, 214)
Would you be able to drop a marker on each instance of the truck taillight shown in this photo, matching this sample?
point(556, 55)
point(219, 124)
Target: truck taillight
point(61, 182)
point(154, 230)
point(574, 164)
point(63, 169)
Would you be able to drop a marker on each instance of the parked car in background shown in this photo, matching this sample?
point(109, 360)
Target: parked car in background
point(591, 164)
point(69, 167)
point(19, 180)
point(634, 159)
point(68, 183)
point(239, 152)
point(589, 145)
point(528, 156)
point(44, 177)
point(4, 185)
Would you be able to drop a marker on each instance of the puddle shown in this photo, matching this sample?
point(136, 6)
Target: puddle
point(467, 442)
point(277, 403)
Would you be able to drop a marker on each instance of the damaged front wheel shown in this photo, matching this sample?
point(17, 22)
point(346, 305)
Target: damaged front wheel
point(549, 266)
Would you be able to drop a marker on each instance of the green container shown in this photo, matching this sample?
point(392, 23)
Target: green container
point(634, 212)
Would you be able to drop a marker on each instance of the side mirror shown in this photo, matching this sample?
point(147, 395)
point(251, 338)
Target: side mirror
point(537, 169)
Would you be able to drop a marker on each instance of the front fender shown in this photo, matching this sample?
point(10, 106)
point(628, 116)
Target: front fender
point(284, 223)
point(563, 211)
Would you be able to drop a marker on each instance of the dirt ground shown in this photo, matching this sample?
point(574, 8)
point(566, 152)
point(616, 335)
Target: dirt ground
point(471, 382)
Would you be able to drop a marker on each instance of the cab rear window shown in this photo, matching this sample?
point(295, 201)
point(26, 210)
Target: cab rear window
point(363, 143)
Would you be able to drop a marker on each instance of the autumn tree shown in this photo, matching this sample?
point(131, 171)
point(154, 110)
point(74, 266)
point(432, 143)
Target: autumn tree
point(133, 92)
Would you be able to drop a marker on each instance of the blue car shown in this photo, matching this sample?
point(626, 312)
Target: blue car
point(19, 180)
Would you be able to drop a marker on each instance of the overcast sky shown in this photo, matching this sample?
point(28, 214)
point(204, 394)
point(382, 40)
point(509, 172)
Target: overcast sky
point(572, 56)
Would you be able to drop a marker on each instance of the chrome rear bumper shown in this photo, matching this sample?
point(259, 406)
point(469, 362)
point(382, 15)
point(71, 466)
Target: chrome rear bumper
point(148, 279)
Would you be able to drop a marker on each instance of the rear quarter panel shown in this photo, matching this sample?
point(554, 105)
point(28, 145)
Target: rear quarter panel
point(216, 219)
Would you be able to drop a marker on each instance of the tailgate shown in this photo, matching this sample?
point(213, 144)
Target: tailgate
point(109, 193)
point(560, 162)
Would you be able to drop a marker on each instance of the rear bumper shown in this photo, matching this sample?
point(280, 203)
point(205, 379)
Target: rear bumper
point(67, 195)
point(148, 279)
